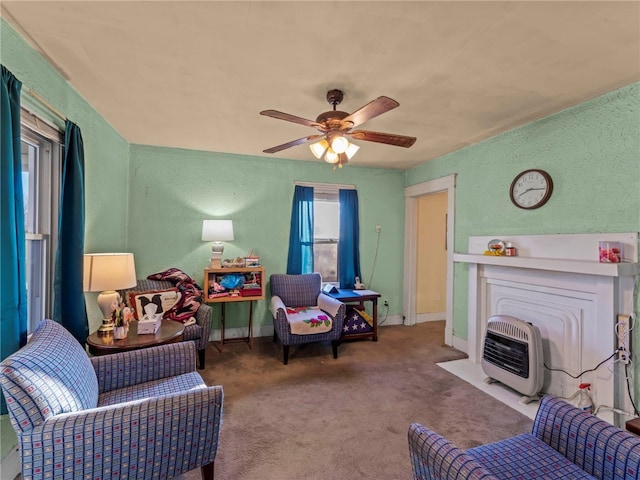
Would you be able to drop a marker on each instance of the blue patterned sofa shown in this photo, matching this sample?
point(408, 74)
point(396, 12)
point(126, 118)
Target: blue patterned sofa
point(136, 415)
point(566, 443)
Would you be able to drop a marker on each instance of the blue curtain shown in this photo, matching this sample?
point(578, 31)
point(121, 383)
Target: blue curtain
point(69, 306)
point(13, 273)
point(300, 258)
point(349, 245)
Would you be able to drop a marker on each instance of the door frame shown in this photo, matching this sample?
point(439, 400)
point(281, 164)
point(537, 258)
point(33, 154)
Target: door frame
point(411, 194)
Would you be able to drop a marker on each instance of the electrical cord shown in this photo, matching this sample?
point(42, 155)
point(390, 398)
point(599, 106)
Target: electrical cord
point(586, 371)
point(375, 258)
point(386, 314)
point(626, 371)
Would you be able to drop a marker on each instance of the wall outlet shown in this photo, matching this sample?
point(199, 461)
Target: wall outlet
point(385, 303)
point(378, 228)
point(622, 332)
point(437, 297)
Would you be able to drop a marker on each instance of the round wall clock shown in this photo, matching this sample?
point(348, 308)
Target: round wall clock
point(531, 189)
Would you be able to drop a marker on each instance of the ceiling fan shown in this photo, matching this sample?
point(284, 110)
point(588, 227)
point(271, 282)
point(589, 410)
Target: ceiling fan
point(334, 126)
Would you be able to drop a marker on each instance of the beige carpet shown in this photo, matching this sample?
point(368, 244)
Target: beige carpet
point(320, 418)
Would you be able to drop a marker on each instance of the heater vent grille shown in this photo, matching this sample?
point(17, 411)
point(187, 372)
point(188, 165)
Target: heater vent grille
point(512, 354)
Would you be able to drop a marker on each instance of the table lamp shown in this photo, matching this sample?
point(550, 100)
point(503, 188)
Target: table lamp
point(106, 273)
point(217, 231)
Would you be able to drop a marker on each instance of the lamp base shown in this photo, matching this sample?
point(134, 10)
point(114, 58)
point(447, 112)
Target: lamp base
point(216, 256)
point(106, 300)
point(106, 327)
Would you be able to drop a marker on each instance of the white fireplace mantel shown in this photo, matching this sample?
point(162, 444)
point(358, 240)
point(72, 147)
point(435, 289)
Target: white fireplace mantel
point(557, 284)
point(587, 267)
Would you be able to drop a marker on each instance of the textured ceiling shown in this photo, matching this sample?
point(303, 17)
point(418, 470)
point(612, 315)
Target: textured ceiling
point(195, 75)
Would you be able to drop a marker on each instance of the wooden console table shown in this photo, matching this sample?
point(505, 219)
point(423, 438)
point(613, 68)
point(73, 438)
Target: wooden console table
point(254, 275)
point(359, 297)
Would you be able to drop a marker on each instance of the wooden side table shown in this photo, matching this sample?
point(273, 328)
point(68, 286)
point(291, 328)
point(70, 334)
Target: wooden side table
point(101, 344)
point(353, 297)
point(633, 425)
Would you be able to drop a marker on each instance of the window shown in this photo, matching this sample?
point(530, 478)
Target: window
point(326, 234)
point(41, 159)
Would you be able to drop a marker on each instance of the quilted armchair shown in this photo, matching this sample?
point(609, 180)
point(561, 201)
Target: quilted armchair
point(296, 291)
point(198, 332)
point(566, 443)
point(136, 415)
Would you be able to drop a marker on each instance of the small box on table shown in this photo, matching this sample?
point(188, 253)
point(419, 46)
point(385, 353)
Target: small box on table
point(149, 324)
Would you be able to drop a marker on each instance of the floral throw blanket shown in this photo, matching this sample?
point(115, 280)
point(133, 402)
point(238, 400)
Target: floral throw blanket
point(308, 320)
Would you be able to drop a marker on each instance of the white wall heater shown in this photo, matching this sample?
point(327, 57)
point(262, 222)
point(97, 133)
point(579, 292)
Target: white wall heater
point(512, 355)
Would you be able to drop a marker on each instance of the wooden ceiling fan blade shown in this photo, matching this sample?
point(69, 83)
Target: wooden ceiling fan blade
point(291, 118)
point(372, 109)
point(293, 143)
point(388, 138)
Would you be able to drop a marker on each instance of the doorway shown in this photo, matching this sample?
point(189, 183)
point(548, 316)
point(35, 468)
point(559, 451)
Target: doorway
point(413, 228)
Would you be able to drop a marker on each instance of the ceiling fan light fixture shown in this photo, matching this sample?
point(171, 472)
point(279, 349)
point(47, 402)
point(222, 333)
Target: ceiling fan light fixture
point(339, 144)
point(331, 156)
point(319, 148)
point(351, 150)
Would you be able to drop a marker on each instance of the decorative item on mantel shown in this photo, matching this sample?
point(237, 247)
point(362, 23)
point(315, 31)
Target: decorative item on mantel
point(496, 248)
point(610, 252)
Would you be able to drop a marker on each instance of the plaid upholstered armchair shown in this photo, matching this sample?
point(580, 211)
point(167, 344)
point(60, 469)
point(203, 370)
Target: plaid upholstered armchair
point(137, 415)
point(198, 332)
point(565, 443)
point(291, 294)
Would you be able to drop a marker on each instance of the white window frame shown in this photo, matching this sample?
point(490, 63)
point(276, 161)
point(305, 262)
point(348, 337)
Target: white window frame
point(43, 156)
point(327, 192)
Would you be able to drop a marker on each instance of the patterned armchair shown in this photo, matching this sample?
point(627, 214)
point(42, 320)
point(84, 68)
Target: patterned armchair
point(295, 291)
point(198, 332)
point(566, 443)
point(137, 415)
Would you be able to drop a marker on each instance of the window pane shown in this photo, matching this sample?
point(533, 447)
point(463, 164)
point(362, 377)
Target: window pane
point(36, 294)
point(326, 232)
point(29, 186)
point(326, 220)
point(325, 260)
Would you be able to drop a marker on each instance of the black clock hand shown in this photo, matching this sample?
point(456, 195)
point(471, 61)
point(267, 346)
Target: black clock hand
point(530, 189)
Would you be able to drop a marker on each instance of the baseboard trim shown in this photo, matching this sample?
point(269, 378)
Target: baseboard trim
point(460, 344)
point(10, 466)
point(267, 330)
point(431, 317)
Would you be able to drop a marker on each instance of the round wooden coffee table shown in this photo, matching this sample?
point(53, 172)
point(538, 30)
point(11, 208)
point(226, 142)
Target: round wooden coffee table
point(104, 344)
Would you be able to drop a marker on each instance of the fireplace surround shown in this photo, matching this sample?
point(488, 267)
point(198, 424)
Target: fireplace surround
point(557, 284)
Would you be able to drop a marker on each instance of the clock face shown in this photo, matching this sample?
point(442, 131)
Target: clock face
point(531, 189)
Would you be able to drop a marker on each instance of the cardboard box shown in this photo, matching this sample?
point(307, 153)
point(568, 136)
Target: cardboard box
point(149, 324)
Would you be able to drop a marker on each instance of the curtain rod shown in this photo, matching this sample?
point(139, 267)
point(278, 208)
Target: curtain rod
point(46, 104)
point(325, 185)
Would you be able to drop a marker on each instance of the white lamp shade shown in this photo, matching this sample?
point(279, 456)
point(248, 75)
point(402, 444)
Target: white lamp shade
point(319, 148)
point(217, 230)
point(339, 144)
point(331, 156)
point(108, 271)
point(351, 150)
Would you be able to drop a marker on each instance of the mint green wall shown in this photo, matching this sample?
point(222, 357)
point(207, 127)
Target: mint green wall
point(106, 151)
point(106, 159)
point(592, 152)
point(172, 191)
